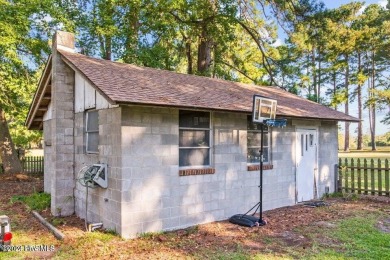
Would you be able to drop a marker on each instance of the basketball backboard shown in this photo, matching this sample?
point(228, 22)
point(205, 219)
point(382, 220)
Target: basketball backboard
point(263, 109)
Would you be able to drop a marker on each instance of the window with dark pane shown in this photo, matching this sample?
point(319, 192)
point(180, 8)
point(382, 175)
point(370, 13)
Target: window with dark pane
point(254, 142)
point(194, 138)
point(92, 131)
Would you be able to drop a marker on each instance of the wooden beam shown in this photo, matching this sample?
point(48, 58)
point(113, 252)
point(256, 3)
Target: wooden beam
point(38, 119)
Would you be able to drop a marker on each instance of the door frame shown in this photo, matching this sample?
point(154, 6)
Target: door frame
point(316, 175)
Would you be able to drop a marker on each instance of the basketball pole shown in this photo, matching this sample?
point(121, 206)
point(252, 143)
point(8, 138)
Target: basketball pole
point(261, 221)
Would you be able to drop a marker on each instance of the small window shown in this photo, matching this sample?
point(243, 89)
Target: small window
point(194, 138)
point(311, 140)
point(254, 142)
point(92, 131)
point(307, 143)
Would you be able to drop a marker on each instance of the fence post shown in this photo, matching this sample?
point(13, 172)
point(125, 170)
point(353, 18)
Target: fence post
point(336, 178)
point(387, 177)
point(365, 177)
point(359, 176)
point(379, 177)
point(346, 176)
point(372, 177)
point(352, 175)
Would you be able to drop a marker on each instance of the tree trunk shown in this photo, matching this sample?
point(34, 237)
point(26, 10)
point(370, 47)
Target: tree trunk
point(189, 57)
point(131, 28)
point(372, 104)
point(313, 67)
point(360, 108)
point(11, 162)
point(319, 78)
point(346, 141)
point(334, 88)
point(204, 52)
point(107, 55)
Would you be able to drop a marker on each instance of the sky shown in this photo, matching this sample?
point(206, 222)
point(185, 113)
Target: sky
point(380, 128)
point(337, 3)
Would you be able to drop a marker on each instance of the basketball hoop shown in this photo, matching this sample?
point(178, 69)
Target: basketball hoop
point(263, 113)
point(275, 122)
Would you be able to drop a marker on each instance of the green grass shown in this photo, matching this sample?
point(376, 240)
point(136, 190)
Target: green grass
point(360, 239)
point(58, 221)
point(99, 242)
point(352, 238)
point(35, 201)
point(382, 152)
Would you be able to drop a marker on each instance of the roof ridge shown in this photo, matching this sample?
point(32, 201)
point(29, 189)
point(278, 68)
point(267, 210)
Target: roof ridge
point(164, 70)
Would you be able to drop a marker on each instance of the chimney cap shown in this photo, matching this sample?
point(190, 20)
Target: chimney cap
point(64, 41)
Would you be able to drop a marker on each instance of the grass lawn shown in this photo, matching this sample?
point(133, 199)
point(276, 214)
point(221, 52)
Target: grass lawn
point(382, 152)
point(356, 237)
point(347, 229)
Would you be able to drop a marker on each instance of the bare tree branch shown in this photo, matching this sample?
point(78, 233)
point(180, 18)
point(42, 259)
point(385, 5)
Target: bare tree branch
point(240, 71)
point(257, 40)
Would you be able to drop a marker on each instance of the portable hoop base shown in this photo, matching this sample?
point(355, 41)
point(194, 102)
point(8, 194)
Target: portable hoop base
point(247, 220)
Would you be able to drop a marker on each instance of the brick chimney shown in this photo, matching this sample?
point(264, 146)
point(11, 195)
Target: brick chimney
point(62, 127)
point(63, 41)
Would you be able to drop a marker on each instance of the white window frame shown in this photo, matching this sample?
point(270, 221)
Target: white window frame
point(268, 134)
point(87, 131)
point(200, 147)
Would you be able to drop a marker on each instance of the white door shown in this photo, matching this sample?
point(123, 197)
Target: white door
point(306, 158)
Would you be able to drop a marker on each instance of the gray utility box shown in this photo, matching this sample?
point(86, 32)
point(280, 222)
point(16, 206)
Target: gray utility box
point(5, 227)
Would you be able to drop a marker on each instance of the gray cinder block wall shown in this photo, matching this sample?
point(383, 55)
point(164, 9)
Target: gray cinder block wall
point(104, 205)
point(146, 193)
point(279, 183)
point(152, 193)
point(62, 124)
point(155, 197)
point(328, 157)
point(48, 155)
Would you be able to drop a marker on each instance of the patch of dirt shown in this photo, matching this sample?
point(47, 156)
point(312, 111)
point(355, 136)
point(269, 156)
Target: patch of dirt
point(325, 224)
point(384, 199)
point(19, 177)
point(71, 226)
point(384, 225)
point(293, 239)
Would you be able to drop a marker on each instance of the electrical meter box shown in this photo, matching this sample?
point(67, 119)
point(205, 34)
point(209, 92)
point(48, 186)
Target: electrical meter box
point(99, 173)
point(5, 224)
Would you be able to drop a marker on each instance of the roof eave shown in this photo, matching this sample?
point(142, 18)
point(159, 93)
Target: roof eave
point(351, 119)
point(39, 95)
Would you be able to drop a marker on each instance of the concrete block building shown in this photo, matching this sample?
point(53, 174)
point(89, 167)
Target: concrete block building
point(180, 149)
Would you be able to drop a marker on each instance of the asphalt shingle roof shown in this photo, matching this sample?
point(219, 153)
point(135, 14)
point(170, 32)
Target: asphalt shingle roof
point(126, 83)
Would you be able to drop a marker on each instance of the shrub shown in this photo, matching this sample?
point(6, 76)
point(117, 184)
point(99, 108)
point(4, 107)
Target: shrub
point(35, 201)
